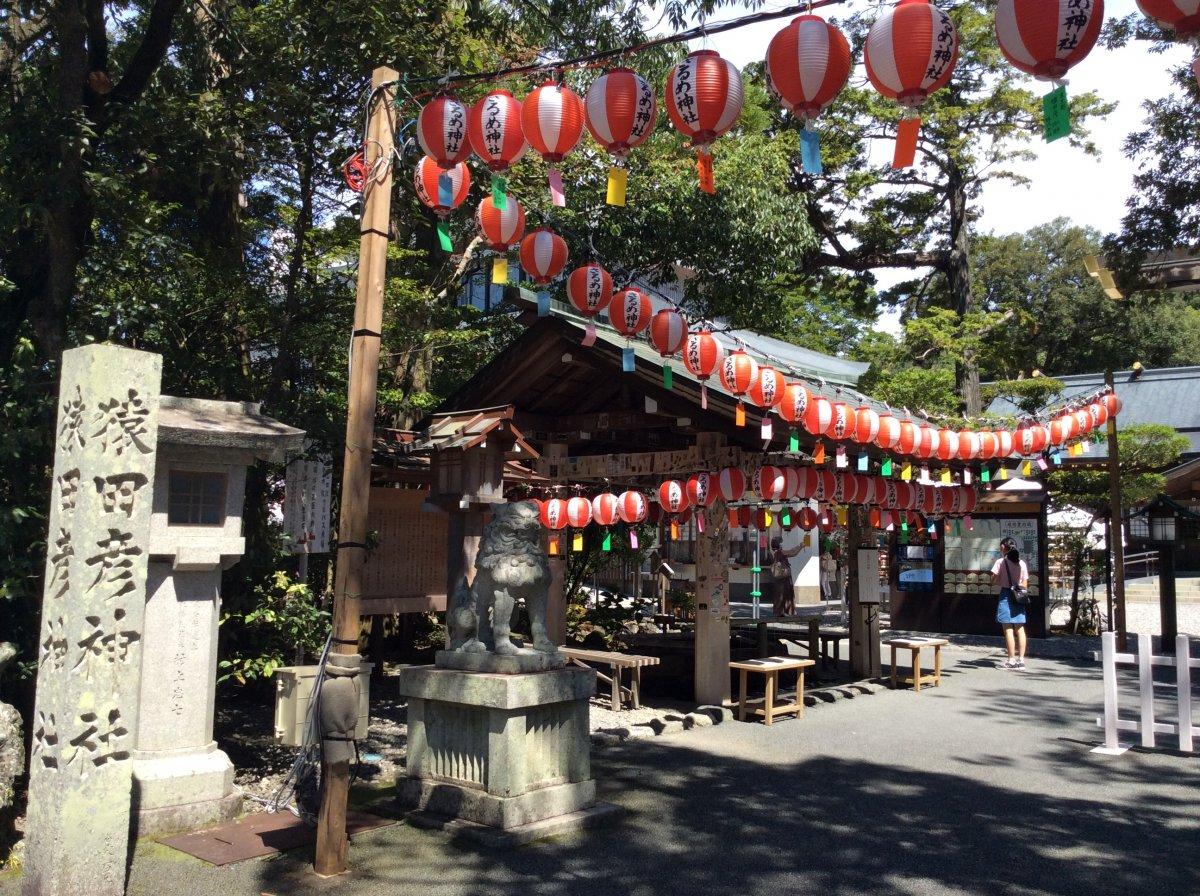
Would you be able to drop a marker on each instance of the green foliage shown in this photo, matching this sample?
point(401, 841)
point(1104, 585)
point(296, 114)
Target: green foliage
point(1030, 395)
point(284, 625)
point(1145, 450)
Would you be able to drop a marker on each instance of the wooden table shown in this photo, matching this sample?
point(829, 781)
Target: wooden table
point(616, 662)
point(771, 667)
point(916, 645)
point(829, 657)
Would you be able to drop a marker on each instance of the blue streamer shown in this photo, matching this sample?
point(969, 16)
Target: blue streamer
point(445, 190)
point(1056, 457)
point(543, 304)
point(863, 460)
point(810, 152)
point(628, 359)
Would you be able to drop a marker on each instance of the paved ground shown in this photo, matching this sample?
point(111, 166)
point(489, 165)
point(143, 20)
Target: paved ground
point(984, 786)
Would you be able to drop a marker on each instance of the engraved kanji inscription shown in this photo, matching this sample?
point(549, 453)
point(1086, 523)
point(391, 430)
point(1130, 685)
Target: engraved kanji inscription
point(61, 552)
point(70, 434)
point(114, 563)
point(104, 645)
point(52, 649)
point(119, 491)
point(45, 741)
point(120, 425)
point(67, 488)
point(102, 739)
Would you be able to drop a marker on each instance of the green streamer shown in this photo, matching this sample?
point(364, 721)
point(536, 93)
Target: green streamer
point(1056, 114)
point(443, 232)
point(607, 546)
point(499, 192)
point(668, 377)
point(886, 469)
point(793, 442)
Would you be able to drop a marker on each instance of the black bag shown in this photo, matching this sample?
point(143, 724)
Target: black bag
point(1020, 595)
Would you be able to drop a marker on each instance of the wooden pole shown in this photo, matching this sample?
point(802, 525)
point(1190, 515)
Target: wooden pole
point(332, 843)
point(1117, 544)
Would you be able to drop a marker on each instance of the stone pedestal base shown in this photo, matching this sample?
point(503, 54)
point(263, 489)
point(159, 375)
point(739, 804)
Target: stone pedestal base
point(183, 791)
point(503, 751)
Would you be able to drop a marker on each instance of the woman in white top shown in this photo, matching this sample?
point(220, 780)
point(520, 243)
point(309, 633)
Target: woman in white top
point(1007, 571)
point(828, 568)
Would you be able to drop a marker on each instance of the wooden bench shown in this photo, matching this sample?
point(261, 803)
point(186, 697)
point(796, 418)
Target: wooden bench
point(771, 667)
point(916, 645)
point(616, 662)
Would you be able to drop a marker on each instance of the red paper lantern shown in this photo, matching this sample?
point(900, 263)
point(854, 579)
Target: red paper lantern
point(807, 519)
point(844, 422)
point(630, 311)
point(605, 507)
point(866, 426)
point(818, 416)
point(808, 483)
point(700, 491)
point(1111, 403)
point(794, 403)
point(621, 110)
point(825, 522)
point(967, 500)
point(791, 478)
point(808, 64)
point(739, 373)
point(1004, 443)
point(911, 51)
point(672, 495)
point(702, 354)
point(579, 512)
point(910, 437)
point(552, 120)
point(1180, 16)
point(668, 330)
point(770, 483)
point(987, 445)
point(704, 96)
point(1098, 414)
point(928, 440)
point(731, 484)
point(553, 513)
point(501, 229)
point(495, 129)
point(543, 255)
point(442, 130)
point(828, 483)
point(767, 388)
point(763, 519)
point(1045, 38)
point(1083, 422)
point(947, 444)
point(838, 495)
point(589, 289)
point(968, 445)
point(1031, 438)
point(1070, 426)
point(632, 507)
point(889, 432)
point(426, 179)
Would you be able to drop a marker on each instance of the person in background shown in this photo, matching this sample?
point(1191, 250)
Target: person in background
point(784, 597)
point(828, 574)
point(1009, 570)
point(843, 575)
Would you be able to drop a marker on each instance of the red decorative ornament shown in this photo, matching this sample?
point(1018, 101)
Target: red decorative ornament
point(1045, 38)
point(1098, 413)
point(702, 355)
point(791, 488)
point(947, 444)
point(553, 513)
point(731, 484)
point(700, 491)
point(1004, 443)
point(672, 495)
point(704, 100)
point(763, 519)
point(552, 120)
point(632, 507)
point(1083, 422)
point(844, 422)
point(928, 440)
point(794, 403)
point(739, 372)
point(605, 508)
point(911, 51)
point(866, 425)
point(501, 229)
point(579, 512)
point(808, 64)
point(968, 445)
point(494, 126)
point(442, 130)
point(770, 483)
point(767, 389)
point(427, 180)
point(668, 330)
point(889, 432)
point(589, 288)
point(807, 519)
point(1180, 16)
point(987, 445)
point(630, 311)
point(809, 483)
point(818, 416)
point(828, 485)
point(1111, 403)
point(909, 438)
point(621, 109)
point(543, 255)
point(967, 499)
point(1031, 438)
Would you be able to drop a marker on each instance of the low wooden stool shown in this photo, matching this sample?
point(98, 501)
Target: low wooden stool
point(916, 645)
point(771, 667)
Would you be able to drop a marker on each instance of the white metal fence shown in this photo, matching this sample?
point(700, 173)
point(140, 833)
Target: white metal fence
point(1145, 724)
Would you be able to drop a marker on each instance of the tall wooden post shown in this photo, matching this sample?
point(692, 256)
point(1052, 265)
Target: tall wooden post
point(332, 843)
point(864, 617)
point(712, 598)
point(1117, 543)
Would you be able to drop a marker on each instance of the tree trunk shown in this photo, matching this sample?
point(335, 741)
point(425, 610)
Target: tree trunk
point(958, 274)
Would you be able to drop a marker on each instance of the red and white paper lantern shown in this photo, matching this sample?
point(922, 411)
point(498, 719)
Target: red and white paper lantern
point(543, 255)
point(552, 120)
point(702, 355)
point(818, 417)
point(911, 51)
point(1180, 16)
point(672, 496)
point(630, 311)
point(731, 484)
point(501, 228)
point(427, 180)
point(495, 129)
point(704, 99)
point(808, 63)
point(621, 109)
point(579, 512)
point(889, 432)
point(589, 289)
point(442, 130)
point(553, 513)
point(770, 483)
point(632, 507)
point(700, 490)
point(1045, 38)
point(668, 330)
point(605, 508)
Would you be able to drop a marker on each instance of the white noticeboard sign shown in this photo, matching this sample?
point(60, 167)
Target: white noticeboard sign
point(868, 576)
point(307, 489)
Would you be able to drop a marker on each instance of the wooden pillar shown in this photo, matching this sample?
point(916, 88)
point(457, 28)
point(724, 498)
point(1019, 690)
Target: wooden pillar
point(1168, 613)
point(556, 603)
point(1117, 545)
point(864, 617)
point(332, 842)
point(712, 598)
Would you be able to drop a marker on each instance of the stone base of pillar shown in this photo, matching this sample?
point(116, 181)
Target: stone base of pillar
point(183, 791)
point(501, 751)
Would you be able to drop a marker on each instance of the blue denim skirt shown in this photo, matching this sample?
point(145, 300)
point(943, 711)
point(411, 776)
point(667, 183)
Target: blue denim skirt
point(1008, 611)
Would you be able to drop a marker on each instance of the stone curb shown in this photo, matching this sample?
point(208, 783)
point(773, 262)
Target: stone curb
point(669, 723)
